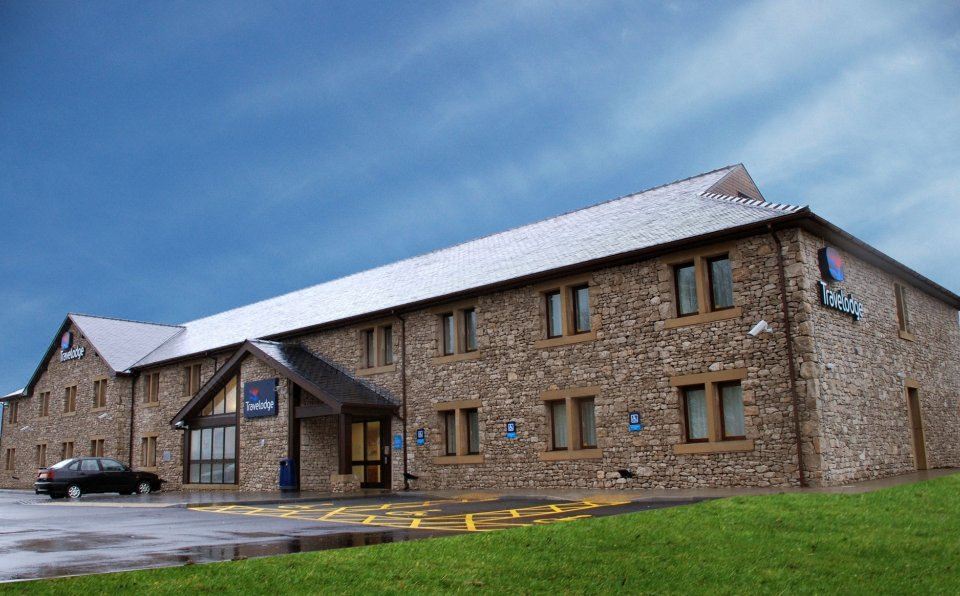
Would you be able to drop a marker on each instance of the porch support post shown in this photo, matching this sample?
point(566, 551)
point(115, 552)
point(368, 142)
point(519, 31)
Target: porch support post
point(343, 451)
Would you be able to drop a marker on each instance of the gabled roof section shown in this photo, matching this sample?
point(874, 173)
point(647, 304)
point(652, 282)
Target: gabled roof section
point(737, 182)
point(13, 394)
point(121, 343)
point(327, 382)
point(660, 215)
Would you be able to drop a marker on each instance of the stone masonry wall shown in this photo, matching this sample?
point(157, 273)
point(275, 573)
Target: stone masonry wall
point(110, 424)
point(858, 369)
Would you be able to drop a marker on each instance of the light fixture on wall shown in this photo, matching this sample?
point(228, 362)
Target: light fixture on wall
point(761, 327)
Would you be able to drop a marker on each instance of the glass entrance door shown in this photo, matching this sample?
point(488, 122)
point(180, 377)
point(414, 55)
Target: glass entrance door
point(369, 460)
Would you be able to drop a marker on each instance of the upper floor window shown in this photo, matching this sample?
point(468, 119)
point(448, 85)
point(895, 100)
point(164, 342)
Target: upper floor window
point(100, 394)
point(14, 415)
point(151, 388)
point(191, 379)
point(703, 289)
point(44, 404)
point(457, 333)
point(903, 312)
point(376, 346)
point(224, 402)
point(567, 313)
point(70, 400)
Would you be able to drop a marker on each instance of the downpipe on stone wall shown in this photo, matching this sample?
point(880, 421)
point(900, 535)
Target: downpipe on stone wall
point(403, 396)
point(788, 328)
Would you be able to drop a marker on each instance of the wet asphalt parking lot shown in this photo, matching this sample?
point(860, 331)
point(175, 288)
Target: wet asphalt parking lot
point(40, 538)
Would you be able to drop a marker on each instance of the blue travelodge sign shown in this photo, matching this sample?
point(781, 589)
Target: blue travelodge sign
point(260, 398)
point(832, 271)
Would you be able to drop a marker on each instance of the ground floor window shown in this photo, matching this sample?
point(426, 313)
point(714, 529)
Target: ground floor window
point(461, 427)
point(148, 452)
point(42, 455)
point(10, 459)
point(213, 455)
point(96, 447)
point(583, 427)
point(66, 450)
point(712, 407)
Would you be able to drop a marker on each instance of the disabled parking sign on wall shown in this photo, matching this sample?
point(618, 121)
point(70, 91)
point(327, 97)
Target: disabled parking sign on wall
point(421, 436)
point(635, 424)
point(398, 441)
point(511, 430)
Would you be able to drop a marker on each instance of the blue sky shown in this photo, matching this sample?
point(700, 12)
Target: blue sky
point(165, 161)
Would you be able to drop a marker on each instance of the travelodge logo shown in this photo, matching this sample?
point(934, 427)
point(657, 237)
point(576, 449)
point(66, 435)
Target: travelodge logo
point(831, 264)
point(67, 351)
point(260, 398)
point(831, 268)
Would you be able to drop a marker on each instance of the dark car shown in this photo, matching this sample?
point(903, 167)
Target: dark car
point(80, 475)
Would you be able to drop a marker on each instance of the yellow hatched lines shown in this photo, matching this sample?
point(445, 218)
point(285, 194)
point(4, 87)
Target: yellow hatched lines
point(421, 515)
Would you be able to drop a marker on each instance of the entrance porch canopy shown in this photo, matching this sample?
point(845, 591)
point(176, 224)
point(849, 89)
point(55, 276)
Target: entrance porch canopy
point(338, 392)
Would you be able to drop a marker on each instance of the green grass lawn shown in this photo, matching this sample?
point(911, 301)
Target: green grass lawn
point(900, 540)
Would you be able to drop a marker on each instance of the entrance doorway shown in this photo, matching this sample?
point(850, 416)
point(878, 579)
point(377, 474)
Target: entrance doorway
point(370, 452)
point(916, 426)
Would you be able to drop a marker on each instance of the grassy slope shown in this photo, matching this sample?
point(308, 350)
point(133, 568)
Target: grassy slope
point(905, 539)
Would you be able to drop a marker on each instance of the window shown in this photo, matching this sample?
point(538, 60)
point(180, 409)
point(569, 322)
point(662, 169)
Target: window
point(470, 329)
point(581, 309)
point(148, 452)
point(460, 421)
point(566, 313)
point(554, 315)
point(44, 404)
point(151, 388)
point(224, 402)
point(376, 346)
point(903, 311)
point(96, 447)
point(213, 458)
point(558, 424)
point(66, 450)
point(10, 460)
point(99, 394)
point(70, 400)
point(449, 335)
point(14, 415)
point(457, 337)
point(713, 412)
point(89, 465)
point(450, 431)
point(111, 465)
point(703, 289)
point(42, 455)
point(572, 419)
point(191, 379)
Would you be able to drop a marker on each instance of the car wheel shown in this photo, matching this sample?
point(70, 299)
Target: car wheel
point(74, 492)
point(144, 487)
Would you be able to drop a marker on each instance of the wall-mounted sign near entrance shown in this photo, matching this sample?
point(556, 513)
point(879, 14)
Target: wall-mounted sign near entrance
point(260, 398)
point(831, 264)
point(67, 351)
point(511, 430)
point(635, 424)
point(398, 441)
point(421, 436)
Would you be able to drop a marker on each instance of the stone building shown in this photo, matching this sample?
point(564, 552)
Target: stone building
point(690, 335)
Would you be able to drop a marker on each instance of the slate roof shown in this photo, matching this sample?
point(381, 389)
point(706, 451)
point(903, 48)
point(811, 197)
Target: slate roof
point(333, 381)
point(667, 213)
point(121, 342)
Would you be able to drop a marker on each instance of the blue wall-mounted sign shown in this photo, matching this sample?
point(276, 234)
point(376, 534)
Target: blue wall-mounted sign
point(421, 436)
point(511, 430)
point(398, 441)
point(635, 424)
point(260, 398)
point(831, 264)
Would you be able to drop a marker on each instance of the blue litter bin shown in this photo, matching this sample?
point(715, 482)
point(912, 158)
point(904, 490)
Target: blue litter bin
point(288, 474)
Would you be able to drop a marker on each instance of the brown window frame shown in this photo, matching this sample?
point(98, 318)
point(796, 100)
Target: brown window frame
point(99, 394)
point(192, 379)
point(452, 332)
point(548, 297)
point(723, 430)
point(553, 424)
point(70, 399)
point(676, 288)
point(471, 448)
point(579, 402)
point(151, 388)
point(468, 315)
point(44, 404)
point(904, 319)
point(10, 459)
point(14, 416)
point(373, 347)
point(708, 263)
point(574, 309)
point(41, 455)
point(686, 413)
point(448, 417)
point(573, 400)
point(66, 453)
point(370, 348)
point(98, 446)
point(565, 292)
point(711, 383)
point(148, 451)
point(458, 413)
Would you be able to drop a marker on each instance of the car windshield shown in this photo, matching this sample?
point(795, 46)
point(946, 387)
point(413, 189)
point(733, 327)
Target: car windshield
point(61, 464)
